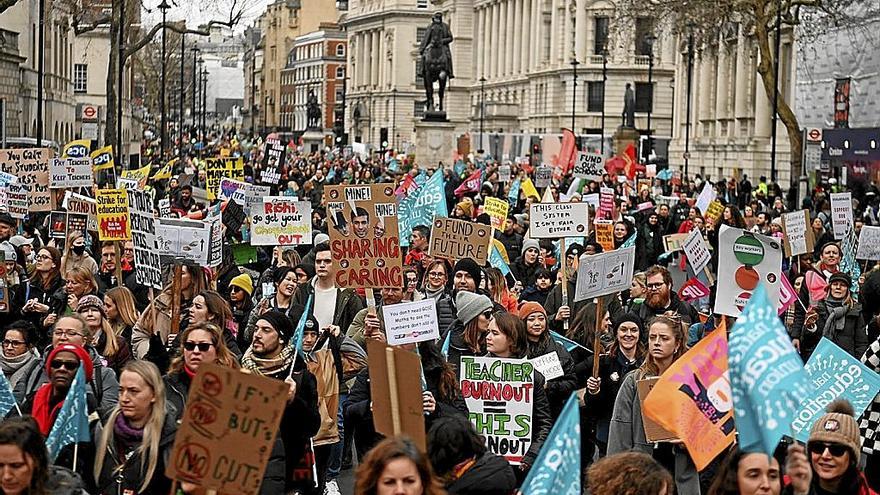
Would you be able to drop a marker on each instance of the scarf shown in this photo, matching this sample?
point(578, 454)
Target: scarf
point(436, 294)
point(14, 367)
point(268, 367)
point(126, 435)
point(42, 411)
point(836, 320)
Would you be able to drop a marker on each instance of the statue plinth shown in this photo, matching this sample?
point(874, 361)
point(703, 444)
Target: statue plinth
point(435, 116)
point(435, 142)
point(313, 139)
point(623, 138)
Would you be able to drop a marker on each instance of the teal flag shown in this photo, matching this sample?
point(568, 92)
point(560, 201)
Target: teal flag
point(569, 344)
point(631, 241)
point(848, 263)
point(297, 341)
point(513, 195)
point(7, 400)
point(72, 423)
point(557, 468)
point(421, 206)
point(496, 260)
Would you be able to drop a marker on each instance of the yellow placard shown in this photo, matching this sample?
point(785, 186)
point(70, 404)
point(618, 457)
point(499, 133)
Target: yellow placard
point(111, 206)
point(497, 211)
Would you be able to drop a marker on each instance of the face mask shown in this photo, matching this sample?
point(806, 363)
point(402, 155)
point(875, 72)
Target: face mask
point(78, 250)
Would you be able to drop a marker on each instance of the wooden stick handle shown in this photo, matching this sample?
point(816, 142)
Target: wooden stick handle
point(597, 344)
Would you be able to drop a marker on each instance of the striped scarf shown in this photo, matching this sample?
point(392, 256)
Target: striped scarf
point(268, 367)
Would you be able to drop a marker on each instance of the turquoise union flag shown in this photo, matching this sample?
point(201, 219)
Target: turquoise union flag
point(72, 423)
point(7, 400)
point(557, 468)
point(421, 206)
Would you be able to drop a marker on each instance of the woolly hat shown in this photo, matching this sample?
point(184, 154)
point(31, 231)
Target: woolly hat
point(91, 301)
point(530, 307)
point(81, 353)
point(467, 207)
point(243, 282)
point(7, 219)
point(529, 244)
point(471, 267)
point(281, 323)
point(575, 249)
point(629, 317)
point(838, 426)
point(321, 237)
point(470, 305)
point(8, 251)
point(840, 277)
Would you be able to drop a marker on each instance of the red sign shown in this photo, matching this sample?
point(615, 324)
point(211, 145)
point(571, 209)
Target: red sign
point(692, 290)
point(89, 112)
point(814, 135)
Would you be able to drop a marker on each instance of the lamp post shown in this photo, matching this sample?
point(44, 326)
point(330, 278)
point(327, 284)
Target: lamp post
point(162, 125)
point(204, 125)
point(775, 91)
point(120, 71)
point(482, 107)
point(649, 40)
point(604, 83)
point(40, 69)
point(574, 84)
point(182, 95)
point(687, 127)
point(195, 76)
point(393, 118)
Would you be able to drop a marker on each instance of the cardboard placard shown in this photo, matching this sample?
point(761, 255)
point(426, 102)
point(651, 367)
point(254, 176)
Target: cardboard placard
point(498, 395)
point(364, 237)
point(604, 234)
point(714, 211)
point(229, 427)
point(31, 166)
point(841, 213)
point(589, 166)
point(604, 273)
point(543, 175)
point(674, 242)
point(554, 220)
point(281, 221)
point(218, 168)
point(396, 390)
point(111, 206)
point(799, 237)
point(504, 173)
point(869, 243)
point(653, 431)
point(453, 240)
point(411, 322)
point(497, 211)
point(77, 203)
point(697, 250)
point(70, 173)
point(744, 259)
point(148, 265)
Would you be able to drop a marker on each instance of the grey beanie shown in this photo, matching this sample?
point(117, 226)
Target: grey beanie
point(8, 251)
point(470, 305)
point(321, 237)
point(530, 243)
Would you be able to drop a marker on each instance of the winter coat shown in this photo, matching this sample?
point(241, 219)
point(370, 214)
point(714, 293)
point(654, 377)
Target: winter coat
point(853, 338)
point(144, 329)
point(123, 471)
point(348, 304)
point(445, 311)
point(458, 347)
point(512, 243)
point(599, 407)
point(52, 296)
point(527, 274)
point(268, 303)
point(554, 302)
point(63, 481)
point(534, 294)
point(490, 475)
point(627, 432)
point(176, 393)
point(687, 312)
point(560, 388)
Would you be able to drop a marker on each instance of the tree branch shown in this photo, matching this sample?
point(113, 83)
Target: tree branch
point(79, 29)
point(175, 27)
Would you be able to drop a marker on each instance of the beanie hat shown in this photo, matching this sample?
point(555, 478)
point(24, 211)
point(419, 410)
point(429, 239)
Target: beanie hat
point(574, 249)
point(466, 207)
point(470, 305)
point(91, 301)
point(81, 353)
point(7, 219)
point(529, 244)
point(321, 238)
point(838, 426)
point(840, 277)
point(471, 267)
point(530, 307)
point(281, 323)
point(629, 317)
point(8, 251)
point(243, 282)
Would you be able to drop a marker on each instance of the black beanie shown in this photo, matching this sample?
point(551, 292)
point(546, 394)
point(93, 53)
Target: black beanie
point(470, 266)
point(629, 317)
point(281, 323)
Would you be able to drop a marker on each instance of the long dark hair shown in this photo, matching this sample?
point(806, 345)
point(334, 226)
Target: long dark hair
point(726, 482)
point(432, 359)
point(24, 433)
point(452, 440)
point(390, 449)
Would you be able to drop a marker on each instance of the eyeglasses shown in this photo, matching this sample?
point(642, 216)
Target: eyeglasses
point(12, 343)
point(655, 286)
point(203, 346)
point(835, 449)
point(43, 257)
point(235, 288)
point(68, 365)
point(66, 333)
point(437, 274)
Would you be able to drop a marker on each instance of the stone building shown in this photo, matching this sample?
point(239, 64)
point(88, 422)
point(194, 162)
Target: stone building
point(10, 81)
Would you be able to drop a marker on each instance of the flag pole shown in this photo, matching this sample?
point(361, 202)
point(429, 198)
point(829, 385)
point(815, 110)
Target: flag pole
point(75, 455)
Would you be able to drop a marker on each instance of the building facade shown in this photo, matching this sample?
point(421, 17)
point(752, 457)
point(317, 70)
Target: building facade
point(253, 65)
point(10, 82)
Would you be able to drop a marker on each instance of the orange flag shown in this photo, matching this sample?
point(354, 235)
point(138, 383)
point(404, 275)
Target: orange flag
point(693, 399)
point(567, 154)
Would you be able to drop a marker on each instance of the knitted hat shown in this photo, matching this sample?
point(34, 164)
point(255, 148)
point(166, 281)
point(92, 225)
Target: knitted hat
point(530, 243)
point(838, 426)
point(281, 323)
point(7, 219)
point(471, 267)
point(321, 237)
point(243, 282)
point(467, 207)
point(91, 301)
point(8, 251)
point(840, 277)
point(81, 353)
point(574, 249)
point(530, 307)
point(629, 317)
point(470, 305)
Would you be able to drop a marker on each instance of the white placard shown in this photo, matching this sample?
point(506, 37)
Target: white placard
point(187, 239)
point(553, 220)
point(841, 213)
point(148, 264)
point(411, 322)
point(243, 193)
point(605, 273)
point(589, 166)
point(504, 173)
point(17, 200)
point(543, 174)
point(697, 250)
point(869, 243)
point(281, 221)
point(707, 195)
point(744, 260)
point(70, 173)
point(548, 365)
point(795, 225)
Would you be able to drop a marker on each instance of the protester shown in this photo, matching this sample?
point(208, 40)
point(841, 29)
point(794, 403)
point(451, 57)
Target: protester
point(25, 464)
point(838, 318)
point(75, 254)
point(496, 286)
point(540, 343)
point(241, 288)
point(109, 345)
point(461, 459)
point(396, 466)
point(467, 334)
point(210, 306)
point(19, 353)
point(44, 297)
point(834, 448)
point(747, 473)
point(120, 311)
point(629, 472)
point(284, 280)
point(661, 298)
point(525, 268)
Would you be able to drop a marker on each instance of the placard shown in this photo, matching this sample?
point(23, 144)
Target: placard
point(707, 195)
point(31, 166)
point(498, 394)
point(744, 259)
point(674, 242)
point(70, 173)
point(869, 243)
point(182, 238)
point(281, 221)
point(111, 206)
point(589, 166)
point(654, 432)
point(273, 159)
point(697, 250)
point(799, 238)
point(77, 222)
point(396, 391)
point(548, 365)
point(504, 173)
point(228, 430)
point(164, 208)
point(411, 322)
point(58, 225)
point(543, 175)
point(243, 193)
point(364, 238)
point(605, 273)
point(606, 203)
point(841, 213)
point(148, 265)
point(497, 211)
point(604, 234)
point(714, 211)
point(218, 168)
point(553, 220)
point(17, 200)
point(454, 240)
point(77, 203)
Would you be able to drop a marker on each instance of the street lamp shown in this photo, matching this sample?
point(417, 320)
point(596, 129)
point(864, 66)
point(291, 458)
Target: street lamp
point(574, 84)
point(195, 75)
point(182, 95)
point(604, 84)
point(164, 8)
point(393, 118)
point(40, 70)
point(649, 41)
point(482, 106)
point(204, 106)
point(690, 72)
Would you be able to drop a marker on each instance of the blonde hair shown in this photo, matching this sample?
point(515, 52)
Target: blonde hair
point(673, 322)
point(111, 346)
point(224, 355)
point(125, 307)
point(84, 276)
point(149, 448)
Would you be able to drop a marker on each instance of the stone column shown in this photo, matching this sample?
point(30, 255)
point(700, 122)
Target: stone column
point(581, 24)
point(363, 54)
point(741, 103)
point(525, 39)
point(375, 58)
point(496, 36)
point(503, 37)
point(512, 33)
point(568, 32)
point(722, 81)
point(554, 31)
point(487, 41)
point(477, 44)
point(763, 109)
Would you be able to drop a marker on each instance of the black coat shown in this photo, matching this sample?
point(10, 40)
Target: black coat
point(558, 389)
point(122, 471)
point(491, 475)
point(525, 273)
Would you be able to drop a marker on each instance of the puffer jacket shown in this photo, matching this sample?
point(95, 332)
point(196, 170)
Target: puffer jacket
point(853, 338)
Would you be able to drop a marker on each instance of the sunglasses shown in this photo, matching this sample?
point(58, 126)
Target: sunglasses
point(68, 365)
point(203, 346)
point(836, 449)
point(488, 314)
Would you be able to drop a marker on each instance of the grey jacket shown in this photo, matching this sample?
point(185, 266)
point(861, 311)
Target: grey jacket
point(627, 432)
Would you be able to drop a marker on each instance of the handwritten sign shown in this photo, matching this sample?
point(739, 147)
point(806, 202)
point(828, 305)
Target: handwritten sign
point(869, 243)
point(548, 365)
point(499, 395)
point(112, 209)
point(77, 203)
point(229, 427)
point(143, 235)
point(454, 240)
point(218, 168)
point(841, 213)
point(605, 273)
point(697, 250)
point(553, 220)
point(243, 193)
point(273, 159)
point(604, 234)
point(504, 173)
point(674, 242)
point(497, 211)
point(70, 172)
point(31, 166)
point(589, 166)
point(411, 322)
point(281, 221)
point(16, 200)
point(798, 237)
point(543, 175)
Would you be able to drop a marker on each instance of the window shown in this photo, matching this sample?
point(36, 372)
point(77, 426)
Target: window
point(644, 35)
point(595, 96)
point(419, 78)
point(419, 108)
point(340, 50)
point(421, 4)
point(80, 78)
point(340, 72)
point(644, 97)
point(600, 25)
point(420, 35)
point(339, 96)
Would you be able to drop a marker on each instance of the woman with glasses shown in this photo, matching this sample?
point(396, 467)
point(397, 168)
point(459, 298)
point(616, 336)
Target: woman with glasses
point(44, 297)
point(75, 254)
point(18, 351)
point(834, 447)
point(121, 311)
point(434, 281)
